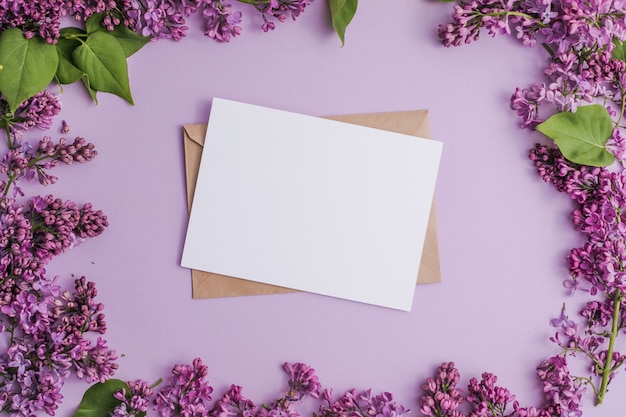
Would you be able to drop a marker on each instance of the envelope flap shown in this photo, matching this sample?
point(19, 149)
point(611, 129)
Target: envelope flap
point(414, 122)
point(194, 135)
point(195, 132)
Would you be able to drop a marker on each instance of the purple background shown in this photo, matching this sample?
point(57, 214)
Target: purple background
point(504, 234)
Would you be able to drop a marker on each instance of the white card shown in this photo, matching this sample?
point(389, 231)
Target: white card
point(311, 204)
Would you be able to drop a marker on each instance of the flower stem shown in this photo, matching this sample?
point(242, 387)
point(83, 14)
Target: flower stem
point(608, 369)
point(156, 384)
point(10, 182)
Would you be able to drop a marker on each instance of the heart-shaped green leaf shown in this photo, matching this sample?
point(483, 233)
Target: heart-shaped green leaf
point(102, 58)
point(342, 12)
point(28, 66)
point(67, 72)
point(582, 136)
point(131, 41)
point(98, 400)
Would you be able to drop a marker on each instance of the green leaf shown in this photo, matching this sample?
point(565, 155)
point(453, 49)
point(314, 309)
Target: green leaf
point(98, 400)
point(102, 58)
point(582, 136)
point(67, 72)
point(342, 12)
point(28, 66)
point(131, 41)
point(618, 51)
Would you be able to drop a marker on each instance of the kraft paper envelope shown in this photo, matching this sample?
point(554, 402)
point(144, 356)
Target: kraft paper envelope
point(209, 285)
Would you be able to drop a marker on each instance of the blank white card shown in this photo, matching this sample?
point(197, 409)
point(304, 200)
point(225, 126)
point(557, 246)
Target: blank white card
point(311, 204)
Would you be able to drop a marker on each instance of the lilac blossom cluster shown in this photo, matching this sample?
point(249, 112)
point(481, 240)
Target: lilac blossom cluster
point(188, 393)
point(360, 404)
point(156, 19)
point(23, 161)
point(586, 64)
point(596, 267)
point(442, 398)
point(45, 330)
point(47, 333)
point(580, 37)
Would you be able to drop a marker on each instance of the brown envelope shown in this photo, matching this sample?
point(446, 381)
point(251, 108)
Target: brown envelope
point(209, 285)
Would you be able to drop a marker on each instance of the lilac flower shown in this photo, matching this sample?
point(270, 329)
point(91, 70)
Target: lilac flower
point(59, 226)
point(23, 162)
point(279, 10)
point(42, 349)
point(526, 102)
point(44, 330)
point(363, 404)
point(134, 403)
point(562, 392)
point(187, 393)
point(157, 19)
point(568, 327)
point(302, 381)
point(441, 396)
point(234, 404)
point(221, 21)
point(487, 398)
point(598, 314)
point(37, 111)
point(34, 18)
point(578, 35)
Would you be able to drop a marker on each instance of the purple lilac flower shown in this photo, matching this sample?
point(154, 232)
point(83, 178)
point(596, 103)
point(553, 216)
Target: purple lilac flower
point(134, 403)
point(526, 103)
point(363, 404)
point(441, 396)
point(77, 151)
point(15, 236)
point(23, 162)
point(83, 9)
point(562, 392)
point(279, 10)
point(234, 404)
point(487, 398)
point(37, 111)
point(600, 201)
point(278, 409)
point(221, 21)
point(598, 314)
point(616, 144)
point(44, 329)
point(567, 326)
point(35, 18)
point(302, 381)
point(579, 36)
point(47, 341)
point(158, 19)
point(53, 222)
point(60, 225)
point(187, 392)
